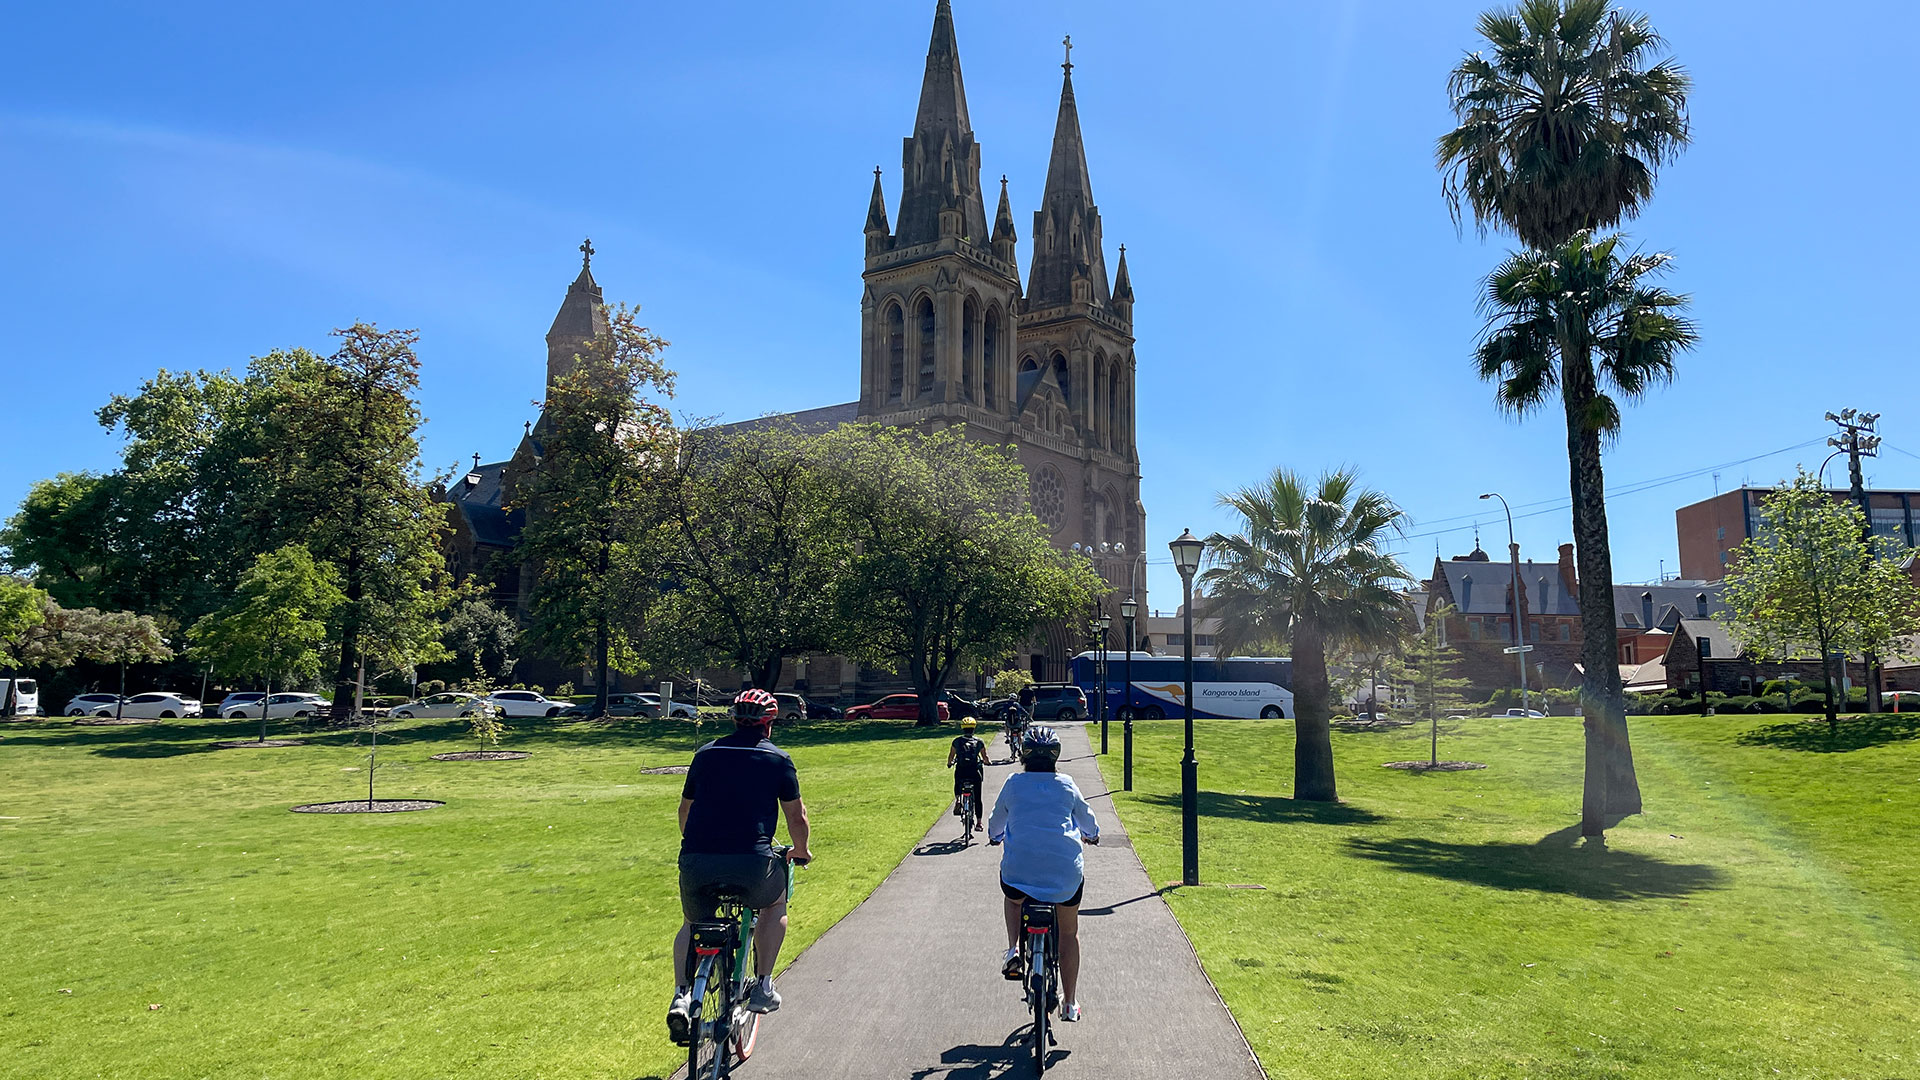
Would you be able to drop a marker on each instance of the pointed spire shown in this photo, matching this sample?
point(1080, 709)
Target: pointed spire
point(877, 207)
point(1066, 228)
point(1122, 284)
point(581, 318)
point(941, 159)
point(1006, 242)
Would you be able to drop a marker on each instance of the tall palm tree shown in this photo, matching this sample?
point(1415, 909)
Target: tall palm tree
point(1565, 124)
point(1581, 320)
point(1305, 568)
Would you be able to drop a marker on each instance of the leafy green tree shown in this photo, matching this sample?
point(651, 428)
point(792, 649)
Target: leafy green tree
point(20, 611)
point(751, 523)
point(122, 638)
point(1305, 568)
point(1427, 666)
point(274, 626)
point(480, 639)
point(60, 535)
point(1009, 682)
point(346, 467)
point(1565, 123)
point(1810, 585)
point(946, 566)
point(592, 518)
point(1578, 321)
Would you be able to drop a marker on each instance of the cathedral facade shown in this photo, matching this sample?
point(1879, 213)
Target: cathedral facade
point(950, 335)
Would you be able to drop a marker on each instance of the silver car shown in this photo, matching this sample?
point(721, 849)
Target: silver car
point(443, 705)
point(85, 704)
point(151, 706)
point(279, 706)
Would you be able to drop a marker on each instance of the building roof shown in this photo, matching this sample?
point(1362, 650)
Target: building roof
point(1662, 606)
point(478, 496)
point(1720, 642)
point(1487, 593)
point(825, 418)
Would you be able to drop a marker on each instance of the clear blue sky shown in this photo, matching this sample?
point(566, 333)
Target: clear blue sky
point(188, 185)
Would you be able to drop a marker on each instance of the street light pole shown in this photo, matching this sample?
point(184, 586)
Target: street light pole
point(1128, 609)
point(1519, 609)
point(1103, 622)
point(1187, 549)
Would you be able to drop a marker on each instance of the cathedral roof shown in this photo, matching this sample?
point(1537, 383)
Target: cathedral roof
point(478, 496)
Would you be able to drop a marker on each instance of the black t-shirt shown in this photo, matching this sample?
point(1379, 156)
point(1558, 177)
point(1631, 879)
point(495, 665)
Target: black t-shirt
point(968, 755)
point(737, 784)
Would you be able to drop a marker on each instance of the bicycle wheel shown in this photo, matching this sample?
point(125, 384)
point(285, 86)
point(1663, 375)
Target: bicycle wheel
point(708, 1053)
point(746, 1022)
point(1037, 990)
point(966, 820)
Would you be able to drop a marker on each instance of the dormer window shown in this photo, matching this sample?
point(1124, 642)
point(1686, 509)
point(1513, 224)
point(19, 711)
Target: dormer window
point(1700, 604)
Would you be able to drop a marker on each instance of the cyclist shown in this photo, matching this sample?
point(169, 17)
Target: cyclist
point(968, 760)
point(1042, 818)
point(727, 819)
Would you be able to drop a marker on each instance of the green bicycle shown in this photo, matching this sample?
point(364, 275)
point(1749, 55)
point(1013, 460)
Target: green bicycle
point(724, 1030)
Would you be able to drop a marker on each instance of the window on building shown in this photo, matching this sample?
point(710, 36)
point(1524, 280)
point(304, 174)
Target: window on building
point(1064, 378)
point(896, 352)
point(1720, 533)
point(1474, 629)
point(969, 316)
point(1533, 630)
point(925, 387)
point(1566, 631)
point(990, 357)
point(1113, 407)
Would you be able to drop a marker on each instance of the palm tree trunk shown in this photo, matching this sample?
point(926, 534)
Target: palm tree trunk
point(1313, 736)
point(1611, 786)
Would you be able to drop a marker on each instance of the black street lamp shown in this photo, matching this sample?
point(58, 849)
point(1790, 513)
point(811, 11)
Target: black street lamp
point(1128, 609)
point(1186, 550)
point(1103, 623)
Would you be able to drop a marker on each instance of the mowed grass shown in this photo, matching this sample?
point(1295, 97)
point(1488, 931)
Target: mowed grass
point(522, 930)
point(1761, 919)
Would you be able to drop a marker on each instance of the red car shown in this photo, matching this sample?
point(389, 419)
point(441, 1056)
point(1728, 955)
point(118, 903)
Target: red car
point(893, 707)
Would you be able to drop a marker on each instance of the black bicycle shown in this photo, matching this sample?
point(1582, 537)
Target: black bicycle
point(1040, 963)
point(724, 1030)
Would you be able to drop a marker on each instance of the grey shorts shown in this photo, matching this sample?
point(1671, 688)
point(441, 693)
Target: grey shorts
point(760, 879)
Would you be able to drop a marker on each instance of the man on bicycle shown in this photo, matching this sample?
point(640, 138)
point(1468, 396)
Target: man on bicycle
point(1043, 819)
point(968, 760)
point(727, 820)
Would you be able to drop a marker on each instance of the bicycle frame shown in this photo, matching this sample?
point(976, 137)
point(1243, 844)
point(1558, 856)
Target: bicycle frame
point(724, 946)
point(1042, 973)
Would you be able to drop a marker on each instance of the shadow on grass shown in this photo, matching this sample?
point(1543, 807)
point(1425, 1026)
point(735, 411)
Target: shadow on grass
point(1852, 733)
point(1270, 809)
point(1559, 863)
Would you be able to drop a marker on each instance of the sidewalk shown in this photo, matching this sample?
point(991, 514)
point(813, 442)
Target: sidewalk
point(908, 986)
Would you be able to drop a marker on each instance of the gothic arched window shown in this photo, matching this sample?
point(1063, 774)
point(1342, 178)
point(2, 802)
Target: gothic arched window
point(1113, 407)
point(990, 360)
point(925, 318)
point(1064, 378)
point(969, 315)
point(896, 352)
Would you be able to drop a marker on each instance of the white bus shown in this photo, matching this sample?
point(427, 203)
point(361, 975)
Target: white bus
point(1238, 687)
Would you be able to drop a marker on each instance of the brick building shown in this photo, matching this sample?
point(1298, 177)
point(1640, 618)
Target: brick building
point(1711, 529)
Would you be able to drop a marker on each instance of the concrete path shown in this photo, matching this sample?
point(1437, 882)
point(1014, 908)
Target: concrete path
point(908, 986)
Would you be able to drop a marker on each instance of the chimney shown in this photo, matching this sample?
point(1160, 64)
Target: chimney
point(1567, 579)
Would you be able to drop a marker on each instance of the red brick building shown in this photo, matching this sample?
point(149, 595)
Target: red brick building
point(1711, 529)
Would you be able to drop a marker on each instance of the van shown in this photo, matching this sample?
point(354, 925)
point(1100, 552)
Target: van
point(23, 695)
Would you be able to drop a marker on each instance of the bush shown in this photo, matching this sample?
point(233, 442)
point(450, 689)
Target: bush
point(564, 690)
point(1011, 681)
point(432, 686)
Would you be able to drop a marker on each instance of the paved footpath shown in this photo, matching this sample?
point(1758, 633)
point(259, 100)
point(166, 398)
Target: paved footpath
point(908, 986)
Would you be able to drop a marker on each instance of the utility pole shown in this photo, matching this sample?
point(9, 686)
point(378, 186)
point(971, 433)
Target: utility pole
point(1858, 437)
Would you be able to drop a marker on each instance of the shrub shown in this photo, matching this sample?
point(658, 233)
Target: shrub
point(432, 686)
point(564, 690)
point(1011, 681)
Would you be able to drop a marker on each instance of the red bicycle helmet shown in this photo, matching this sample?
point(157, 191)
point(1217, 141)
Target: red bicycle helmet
point(755, 707)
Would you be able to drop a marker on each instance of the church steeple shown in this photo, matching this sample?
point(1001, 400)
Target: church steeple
point(1005, 239)
point(1123, 289)
point(1068, 265)
point(877, 216)
point(940, 196)
point(581, 318)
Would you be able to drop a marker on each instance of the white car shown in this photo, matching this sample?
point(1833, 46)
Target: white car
point(84, 704)
point(151, 706)
point(1525, 714)
point(24, 693)
point(526, 703)
point(437, 705)
point(279, 706)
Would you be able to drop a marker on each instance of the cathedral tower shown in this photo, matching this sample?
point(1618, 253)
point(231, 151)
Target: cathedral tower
point(582, 318)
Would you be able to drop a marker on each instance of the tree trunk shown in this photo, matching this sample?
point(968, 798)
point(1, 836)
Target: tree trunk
point(264, 701)
point(1611, 787)
point(1313, 735)
point(927, 687)
point(602, 641)
point(346, 675)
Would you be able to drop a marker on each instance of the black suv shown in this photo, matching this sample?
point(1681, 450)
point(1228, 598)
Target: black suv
point(1060, 703)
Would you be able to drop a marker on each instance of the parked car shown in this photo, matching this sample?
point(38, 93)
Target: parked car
point(678, 710)
point(960, 707)
point(239, 697)
point(521, 704)
point(1059, 703)
point(792, 706)
point(84, 704)
point(893, 707)
point(25, 694)
point(819, 708)
point(1525, 714)
point(440, 705)
point(279, 707)
point(642, 705)
point(151, 706)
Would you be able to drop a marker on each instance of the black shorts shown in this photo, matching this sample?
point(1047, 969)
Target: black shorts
point(966, 780)
point(1012, 893)
point(760, 879)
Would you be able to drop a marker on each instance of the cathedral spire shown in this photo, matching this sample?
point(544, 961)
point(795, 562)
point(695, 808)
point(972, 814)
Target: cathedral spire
point(877, 216)
point(1068, 265)
point(581, 318)
point(1122, 284)
point(1005, 239)
point(941, 159)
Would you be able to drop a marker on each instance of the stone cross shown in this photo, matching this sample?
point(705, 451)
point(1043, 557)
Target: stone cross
point(1068, 42)
point(586, 250)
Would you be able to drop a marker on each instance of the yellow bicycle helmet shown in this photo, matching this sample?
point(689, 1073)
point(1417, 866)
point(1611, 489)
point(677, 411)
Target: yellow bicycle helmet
point(966, 723)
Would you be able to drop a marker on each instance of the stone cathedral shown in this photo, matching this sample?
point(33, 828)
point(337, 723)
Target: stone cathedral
point(949, 335)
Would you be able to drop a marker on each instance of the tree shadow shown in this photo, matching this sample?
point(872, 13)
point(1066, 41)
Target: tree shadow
point(1558, 863)
point(1269, 809)
point(1852, 733)
point(151, 750)
point(982, 1061)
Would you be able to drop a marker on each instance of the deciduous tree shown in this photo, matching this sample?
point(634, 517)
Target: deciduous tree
point(1427, 666)
point(274, 626)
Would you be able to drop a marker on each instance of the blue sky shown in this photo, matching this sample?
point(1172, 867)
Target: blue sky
point(188, 185)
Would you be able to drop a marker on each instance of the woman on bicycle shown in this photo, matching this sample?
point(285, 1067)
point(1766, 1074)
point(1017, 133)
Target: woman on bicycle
point(1042, 819)
point(967, 757)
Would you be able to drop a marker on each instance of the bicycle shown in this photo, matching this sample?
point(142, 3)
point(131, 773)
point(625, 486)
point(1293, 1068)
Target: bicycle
point(724, 1030)
point(1041, 979)
point(966, 816)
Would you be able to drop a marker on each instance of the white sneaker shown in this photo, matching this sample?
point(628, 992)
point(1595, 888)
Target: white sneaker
point(1010, 965)
point(680, 1017)
point(1071, 1013)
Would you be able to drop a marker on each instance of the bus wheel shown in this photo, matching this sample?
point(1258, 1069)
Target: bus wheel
point(1272, 712)
point(1153, 712)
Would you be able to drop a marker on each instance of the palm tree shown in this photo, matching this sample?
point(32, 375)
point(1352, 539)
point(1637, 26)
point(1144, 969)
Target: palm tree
point(1305, 568)
point(1564, 126)
point(1581, 319)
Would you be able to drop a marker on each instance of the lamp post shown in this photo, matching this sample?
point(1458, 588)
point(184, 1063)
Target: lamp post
point(1128, 609)
point(1186, 550)
point(1520, 649)
point(1102, 623)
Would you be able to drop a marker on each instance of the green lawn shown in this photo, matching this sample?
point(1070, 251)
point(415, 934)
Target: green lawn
point(521, 930)
point(1761, 919)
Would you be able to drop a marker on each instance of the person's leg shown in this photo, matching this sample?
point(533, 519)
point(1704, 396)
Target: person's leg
point(681, 941)
point(1012, 908)
point(1067, 925)
point(769, 932)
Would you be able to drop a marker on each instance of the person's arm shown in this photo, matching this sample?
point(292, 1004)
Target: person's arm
point(686, 807)
point(798, 829)
point(997, 821)
point(952, 754)
point(1083, 815)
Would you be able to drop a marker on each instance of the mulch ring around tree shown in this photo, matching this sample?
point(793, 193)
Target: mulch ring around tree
point(1428, 766)
point(242, 744)
point(483, 755)
point(673, 770)
point(1371, 725)
point(362, 806)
